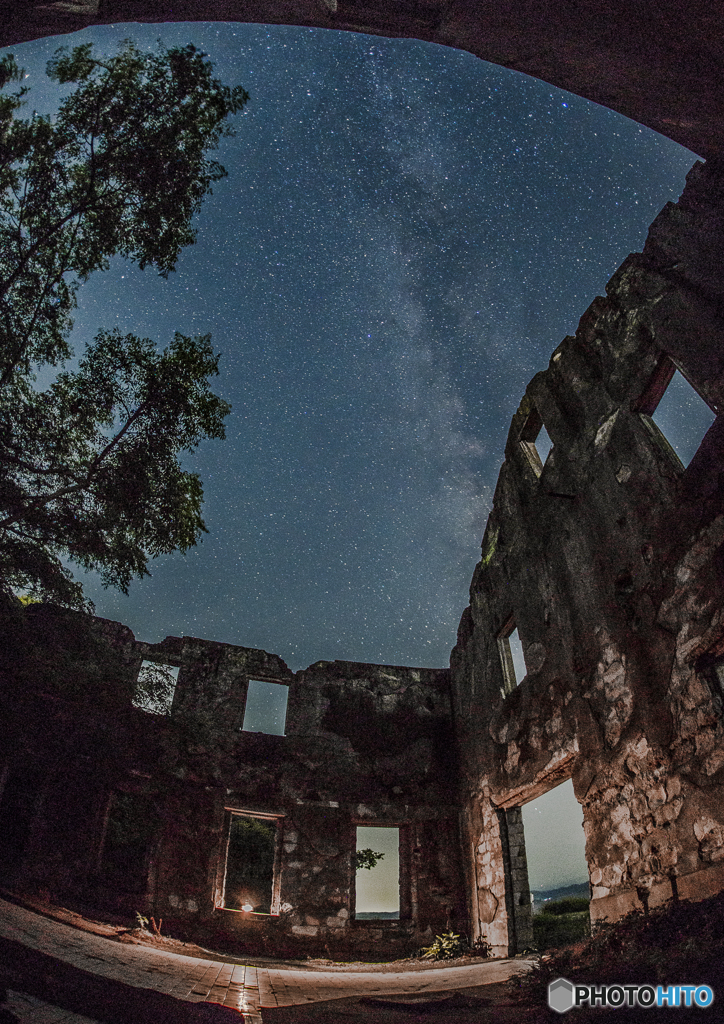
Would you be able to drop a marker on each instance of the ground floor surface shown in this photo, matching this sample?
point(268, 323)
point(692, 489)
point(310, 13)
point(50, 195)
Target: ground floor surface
point(54, 973)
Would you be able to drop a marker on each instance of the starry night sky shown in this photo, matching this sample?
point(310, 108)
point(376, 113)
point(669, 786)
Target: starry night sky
point(405, 235)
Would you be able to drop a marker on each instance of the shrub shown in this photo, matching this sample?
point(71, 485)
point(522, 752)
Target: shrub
point(567, 905)
point(551, 930)
point(445, 947)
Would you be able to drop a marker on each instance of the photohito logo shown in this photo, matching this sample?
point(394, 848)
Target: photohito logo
point(563, 995)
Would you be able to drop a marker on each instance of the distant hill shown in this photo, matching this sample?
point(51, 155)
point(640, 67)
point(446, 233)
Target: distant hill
point(372, 916)
point(541, 896)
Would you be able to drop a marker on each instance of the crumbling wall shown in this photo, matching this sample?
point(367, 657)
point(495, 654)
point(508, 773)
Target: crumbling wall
point(608, 559)
point(106, 786)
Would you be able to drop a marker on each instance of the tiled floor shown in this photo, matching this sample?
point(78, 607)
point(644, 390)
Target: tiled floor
point(243, 987)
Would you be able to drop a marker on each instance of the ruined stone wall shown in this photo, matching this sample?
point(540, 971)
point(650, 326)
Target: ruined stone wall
point(364, 745)
point(608, 560)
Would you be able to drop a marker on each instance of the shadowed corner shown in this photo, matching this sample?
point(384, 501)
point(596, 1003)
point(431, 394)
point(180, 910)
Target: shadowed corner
point(6, 1015)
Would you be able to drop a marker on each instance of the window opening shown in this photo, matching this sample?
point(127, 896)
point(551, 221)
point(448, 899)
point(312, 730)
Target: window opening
point(155, 687)
point(266, 708)
point(511, 656)
point(130, 829)
point(543, 445)
point(250, 858)
point(377, 888)
point(677, 410)
point(535, 442)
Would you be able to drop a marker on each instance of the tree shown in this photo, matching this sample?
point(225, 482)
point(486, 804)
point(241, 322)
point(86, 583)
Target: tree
point(121, 169)
point(366, 859)
point(89, 468)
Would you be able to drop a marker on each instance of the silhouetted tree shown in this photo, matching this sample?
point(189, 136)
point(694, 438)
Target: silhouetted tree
point(89, 468)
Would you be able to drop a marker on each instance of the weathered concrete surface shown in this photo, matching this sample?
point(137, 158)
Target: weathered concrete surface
point(608, 559)
point(661, 64)
point(364, 745)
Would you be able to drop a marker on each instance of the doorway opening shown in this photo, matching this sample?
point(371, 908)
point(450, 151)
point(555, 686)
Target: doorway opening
point(555, 846)
point(249, 879)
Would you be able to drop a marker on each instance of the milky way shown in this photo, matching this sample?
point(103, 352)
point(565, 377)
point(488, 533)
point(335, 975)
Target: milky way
point(405, 235)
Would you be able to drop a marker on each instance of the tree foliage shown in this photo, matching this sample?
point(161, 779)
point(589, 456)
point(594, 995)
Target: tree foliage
point(121, 169)
point(89, 468)
point(366, 859)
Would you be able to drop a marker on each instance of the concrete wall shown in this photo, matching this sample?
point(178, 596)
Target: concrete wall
point(608, 560)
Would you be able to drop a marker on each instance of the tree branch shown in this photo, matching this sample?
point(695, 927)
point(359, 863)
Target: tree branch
point(39, 501)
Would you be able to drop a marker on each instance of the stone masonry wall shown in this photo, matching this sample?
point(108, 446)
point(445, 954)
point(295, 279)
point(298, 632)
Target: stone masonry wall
point(364, 744)
point(608, 560)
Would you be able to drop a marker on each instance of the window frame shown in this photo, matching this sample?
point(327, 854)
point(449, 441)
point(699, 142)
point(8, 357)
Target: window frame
point(239, 812)
point(267, 682)
point(648, 402)
point(510, 681)
point(527, 438)
point(407, 898)
point(162, 665)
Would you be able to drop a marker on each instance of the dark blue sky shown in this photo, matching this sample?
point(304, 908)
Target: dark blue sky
point(405, 235)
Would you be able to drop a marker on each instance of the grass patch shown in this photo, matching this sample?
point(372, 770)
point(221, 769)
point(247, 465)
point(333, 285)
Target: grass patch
point(553, 930)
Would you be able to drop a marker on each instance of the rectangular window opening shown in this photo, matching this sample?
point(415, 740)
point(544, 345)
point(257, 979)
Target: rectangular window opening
point(155, 687)
point(377, 878)
point(677, 411)
point(535, 442)
point(511, 656)
point(266, 708)
point(250, 870)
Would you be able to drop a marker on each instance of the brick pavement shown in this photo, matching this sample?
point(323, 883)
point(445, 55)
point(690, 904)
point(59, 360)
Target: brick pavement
point(247, 988)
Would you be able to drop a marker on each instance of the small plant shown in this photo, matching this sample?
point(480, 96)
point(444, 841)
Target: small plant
point(143, 922)
point(366, 859)
point(445, 947)
point(481, 947)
